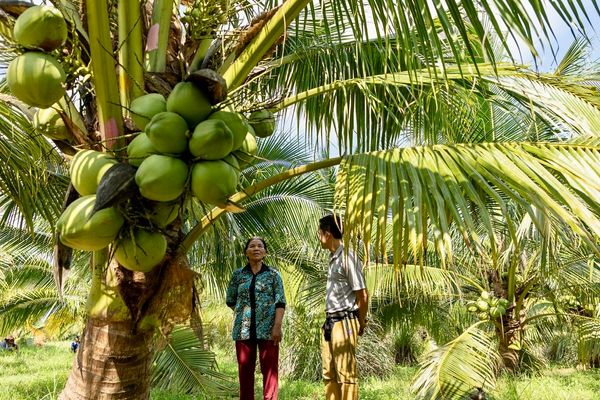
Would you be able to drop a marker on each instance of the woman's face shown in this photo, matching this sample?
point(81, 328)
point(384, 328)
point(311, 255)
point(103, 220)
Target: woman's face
point(256, 250)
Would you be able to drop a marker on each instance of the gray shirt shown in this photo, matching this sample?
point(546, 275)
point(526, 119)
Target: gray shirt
point(345, 275)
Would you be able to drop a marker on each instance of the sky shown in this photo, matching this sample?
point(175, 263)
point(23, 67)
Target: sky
point(563, 39)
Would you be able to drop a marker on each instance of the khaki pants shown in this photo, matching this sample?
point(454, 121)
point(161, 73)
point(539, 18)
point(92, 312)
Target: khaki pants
point(339, 361)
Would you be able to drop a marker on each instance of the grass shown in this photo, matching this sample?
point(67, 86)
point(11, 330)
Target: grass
point(33, 372)
point(40, 373)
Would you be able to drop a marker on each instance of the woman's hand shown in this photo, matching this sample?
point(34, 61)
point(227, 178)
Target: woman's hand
point(276, 333)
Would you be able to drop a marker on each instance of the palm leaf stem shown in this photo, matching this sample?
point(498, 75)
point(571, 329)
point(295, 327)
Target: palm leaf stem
point(405, 78)
point(236, 73)
point(216, 212)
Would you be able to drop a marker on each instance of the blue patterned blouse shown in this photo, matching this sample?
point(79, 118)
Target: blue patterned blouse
point(254, 299)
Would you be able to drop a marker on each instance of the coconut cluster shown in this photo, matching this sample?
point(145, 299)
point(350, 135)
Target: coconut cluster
point(186, 146)
point(488, 306)
point(36, 77)
point(188, 143)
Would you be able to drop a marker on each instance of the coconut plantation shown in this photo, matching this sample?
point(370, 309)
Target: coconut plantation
point(153, 152)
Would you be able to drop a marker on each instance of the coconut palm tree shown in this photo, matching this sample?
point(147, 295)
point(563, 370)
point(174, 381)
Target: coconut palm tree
point(369, 76)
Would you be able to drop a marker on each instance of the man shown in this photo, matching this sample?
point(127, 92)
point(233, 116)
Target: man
point(9, 344)
point(346, 307)
point(75, 344)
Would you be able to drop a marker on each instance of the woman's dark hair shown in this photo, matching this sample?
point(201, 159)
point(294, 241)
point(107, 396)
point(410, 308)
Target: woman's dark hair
point(255, 238)
point(332, 223)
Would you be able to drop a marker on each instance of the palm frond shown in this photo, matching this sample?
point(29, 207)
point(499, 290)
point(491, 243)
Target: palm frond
point(573, 62)
point(458, 368)
point(425, 190)
point(184, 364)
point(588, 346)
point(386, 282)
point(32, 176)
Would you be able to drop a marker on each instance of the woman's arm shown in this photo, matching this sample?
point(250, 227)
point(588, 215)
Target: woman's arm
point(276, 333)
point(232, 289)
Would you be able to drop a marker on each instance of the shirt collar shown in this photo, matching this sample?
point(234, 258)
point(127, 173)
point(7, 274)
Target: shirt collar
point(263, 268)
point(337, 252)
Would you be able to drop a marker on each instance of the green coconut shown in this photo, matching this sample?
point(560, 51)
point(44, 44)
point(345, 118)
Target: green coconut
point(36, 79)
point(82, 230)
point(87, 168)
point(161, 178)
point(214, 181)
point(139, 149)
point(145, 107)
point(49, 123)
point(211, 140)
point(263, 122)
point(246, 151)
point(40, 27)
point(233, 162)
point(168, 133)
point(162, 214)
point(142, 251)
point(236, 123)
point(190, 102)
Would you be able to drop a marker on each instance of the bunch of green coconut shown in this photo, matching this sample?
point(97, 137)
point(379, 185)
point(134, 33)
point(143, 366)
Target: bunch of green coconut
point(488, 305)
point(36, 77)
point(187, 146)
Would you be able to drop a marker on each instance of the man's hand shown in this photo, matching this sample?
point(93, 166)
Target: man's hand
point(362, 325)
point(276, 333)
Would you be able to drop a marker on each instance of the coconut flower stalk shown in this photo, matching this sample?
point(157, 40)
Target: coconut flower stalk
point(158, 35)
point(108, 103)
point(131, 70)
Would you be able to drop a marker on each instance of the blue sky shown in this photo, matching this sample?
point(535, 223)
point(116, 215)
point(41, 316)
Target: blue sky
point(564, 38)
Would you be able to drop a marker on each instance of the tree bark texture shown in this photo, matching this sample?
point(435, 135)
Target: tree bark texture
point(115, 357)
point(112, 363)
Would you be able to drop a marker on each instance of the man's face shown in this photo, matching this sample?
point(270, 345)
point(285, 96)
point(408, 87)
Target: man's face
point(324, 238)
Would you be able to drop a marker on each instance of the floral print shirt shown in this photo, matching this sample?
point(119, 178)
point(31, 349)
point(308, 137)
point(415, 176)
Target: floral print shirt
point(254, 299)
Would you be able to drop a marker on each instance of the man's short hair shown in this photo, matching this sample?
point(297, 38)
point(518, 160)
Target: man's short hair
point(332, 223)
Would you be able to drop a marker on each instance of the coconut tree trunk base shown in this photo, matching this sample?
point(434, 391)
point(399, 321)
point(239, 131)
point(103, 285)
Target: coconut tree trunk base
point(112, 363)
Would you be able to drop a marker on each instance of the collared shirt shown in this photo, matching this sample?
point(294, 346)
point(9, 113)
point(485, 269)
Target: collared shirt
point(254, 299)
point(345, 275)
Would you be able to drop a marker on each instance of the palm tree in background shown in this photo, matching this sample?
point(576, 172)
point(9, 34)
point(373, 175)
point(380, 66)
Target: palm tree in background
point(369, 77)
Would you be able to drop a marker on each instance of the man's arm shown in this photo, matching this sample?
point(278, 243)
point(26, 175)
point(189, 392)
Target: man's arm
point(362, 299)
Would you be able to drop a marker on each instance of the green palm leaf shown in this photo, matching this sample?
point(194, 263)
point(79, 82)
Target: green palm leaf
point(458, 368)
point(427, 189)
point(184, 364)
point(588, 346)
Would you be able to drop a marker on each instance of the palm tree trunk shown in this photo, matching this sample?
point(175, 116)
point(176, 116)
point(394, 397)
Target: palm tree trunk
point(112, 363)
point(125, 311)
point(509, 330)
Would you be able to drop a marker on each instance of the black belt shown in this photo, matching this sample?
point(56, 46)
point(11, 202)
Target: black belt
point(332, 318)
point(344, 314)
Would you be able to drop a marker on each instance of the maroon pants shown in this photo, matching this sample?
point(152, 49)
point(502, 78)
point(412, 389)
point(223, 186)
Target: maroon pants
point(269, 366)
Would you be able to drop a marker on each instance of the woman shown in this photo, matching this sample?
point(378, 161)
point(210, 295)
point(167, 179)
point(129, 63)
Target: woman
point(256, 295)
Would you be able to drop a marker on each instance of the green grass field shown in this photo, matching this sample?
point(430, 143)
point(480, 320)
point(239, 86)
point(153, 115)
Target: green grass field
point(40, 373)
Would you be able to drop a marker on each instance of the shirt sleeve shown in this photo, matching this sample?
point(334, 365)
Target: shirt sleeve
point(279, 292)
point(232, 289)
point(356, 277)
